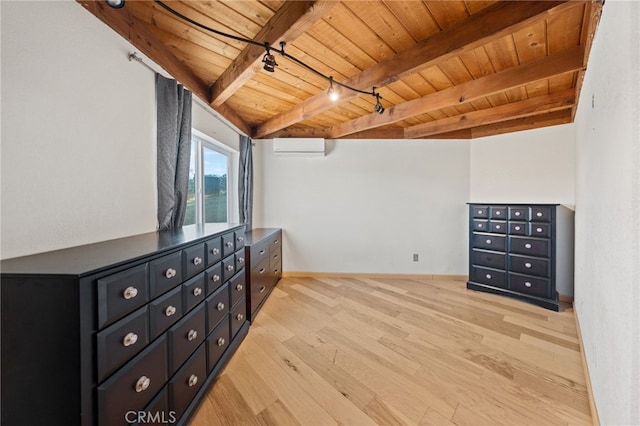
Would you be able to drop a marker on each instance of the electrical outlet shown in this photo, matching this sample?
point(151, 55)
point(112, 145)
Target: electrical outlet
point(415, 257)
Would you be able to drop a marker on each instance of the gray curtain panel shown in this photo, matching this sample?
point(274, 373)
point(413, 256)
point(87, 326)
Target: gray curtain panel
point(174, 150)
point(245, 182)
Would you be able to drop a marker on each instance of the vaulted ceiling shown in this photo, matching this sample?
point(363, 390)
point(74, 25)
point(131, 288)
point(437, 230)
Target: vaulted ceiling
point(443, 69)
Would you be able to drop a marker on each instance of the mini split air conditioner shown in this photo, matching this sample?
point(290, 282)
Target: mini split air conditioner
point(298, 147)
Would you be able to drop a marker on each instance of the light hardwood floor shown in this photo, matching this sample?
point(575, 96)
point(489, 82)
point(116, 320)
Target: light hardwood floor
point(329, 351)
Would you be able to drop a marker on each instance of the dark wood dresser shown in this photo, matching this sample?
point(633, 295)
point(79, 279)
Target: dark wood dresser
point(127, 331)
point(263, 251)
point(521, 250)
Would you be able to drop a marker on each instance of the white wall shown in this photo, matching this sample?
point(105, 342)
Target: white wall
point(78, 131)
point(607, 287)
point(368, 206)
point(535, 166)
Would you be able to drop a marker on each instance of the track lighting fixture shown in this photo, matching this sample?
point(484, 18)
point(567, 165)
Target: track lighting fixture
point(333, 94)
point(269, 60)
point(378, 108)
point(116, 4)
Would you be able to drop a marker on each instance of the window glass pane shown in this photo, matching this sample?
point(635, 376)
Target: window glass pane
point(190, 214)
point(215, 185)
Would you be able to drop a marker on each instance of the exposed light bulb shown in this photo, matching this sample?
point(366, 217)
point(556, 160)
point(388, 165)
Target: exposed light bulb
point(333, 95)
point(116, 4)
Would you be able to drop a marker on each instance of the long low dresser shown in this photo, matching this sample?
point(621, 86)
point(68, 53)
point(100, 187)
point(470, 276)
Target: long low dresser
point(126, 331)
point(263, 251)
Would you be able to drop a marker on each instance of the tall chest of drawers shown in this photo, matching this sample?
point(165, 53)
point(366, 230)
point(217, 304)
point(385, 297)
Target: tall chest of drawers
point(521, 250)
point(127, 331)
point(263, 251)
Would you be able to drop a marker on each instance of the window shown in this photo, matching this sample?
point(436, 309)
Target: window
point(211, 189)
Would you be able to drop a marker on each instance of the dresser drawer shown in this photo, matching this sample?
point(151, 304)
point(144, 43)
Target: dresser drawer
point(239, 237)
point(519, 213)
point(228, 268)
point(193, 260)
point(213, 277)
point(540, 214)
point(489, 242)
point(540, 230)
point(213, 247)
point(187, 381)
point(164, 312)
point(275, 242)
point(481, 225)
point(237, 317)
point(165, 273)
point(240, 260)
point(157, 413)
point(490, 259)
point(237, 288)
point(490, 277)
point(498, 227)
point(259, 290)
point(529, 265)
point(185, 337)
point(530, 246)
point(275, 259)
point(530, 285)
point(228, 244)
point(480, 212)
point(118, 343)
point(276, 271)
point(121, 293)
point(217, 343)
point(217, 306)
point(498, 213)
point(259, 251)
point(518, 228)
point(131, 388)
point(193, 292)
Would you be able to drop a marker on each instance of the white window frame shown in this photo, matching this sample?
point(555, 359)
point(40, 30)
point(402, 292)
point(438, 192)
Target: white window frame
point(203, 140)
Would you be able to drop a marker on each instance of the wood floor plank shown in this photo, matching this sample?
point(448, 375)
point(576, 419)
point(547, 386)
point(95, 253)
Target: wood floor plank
point(352, 351)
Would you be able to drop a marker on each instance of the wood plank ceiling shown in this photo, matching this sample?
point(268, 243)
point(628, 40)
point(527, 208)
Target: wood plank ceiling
point(444, 69)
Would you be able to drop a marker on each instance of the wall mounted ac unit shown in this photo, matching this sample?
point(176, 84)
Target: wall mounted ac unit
point(299, 147)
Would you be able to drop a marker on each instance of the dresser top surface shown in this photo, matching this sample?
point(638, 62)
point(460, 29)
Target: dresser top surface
point(92, 258)
point(259, 234)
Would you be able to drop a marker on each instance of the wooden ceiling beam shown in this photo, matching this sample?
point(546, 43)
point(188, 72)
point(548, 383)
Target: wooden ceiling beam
point(534, 106)
point(488, 25)
point(288, 23)
point(527, 123)
point(135, 31)
point(559, 63)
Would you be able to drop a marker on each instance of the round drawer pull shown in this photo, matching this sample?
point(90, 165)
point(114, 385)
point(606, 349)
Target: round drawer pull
point(239, 287)
point(197, 260)
point(262, 270)
point(193, 380)
point(488, 241)
point(538, 230)
point(215, 278)
point(142, 384)
point(215, 251)
point(229, 244)
point(527, 284)
point(240, 239)
point(488, 276)
point(130, 292)
point(241, 260)
point(192, 335)
point(197, 291)
point(498, 213)
point(527, 265)
point(261, 251)
point(480, 211)
point(229, 268)
point(498, 226)
point(171, 310)
point(517, 213)
point(262, 289)
point(527, 246)
point(221, 341)
point(539, 214)
point(517, 228)
point(239, 317)
point(170, 273)
point(130, 339)
point(479, 225)
point(220, 306)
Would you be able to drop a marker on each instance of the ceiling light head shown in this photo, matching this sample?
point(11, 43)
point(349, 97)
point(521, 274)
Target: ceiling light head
point(269, 60)
point(378, 108)
point(115, 4)
point(333, 93)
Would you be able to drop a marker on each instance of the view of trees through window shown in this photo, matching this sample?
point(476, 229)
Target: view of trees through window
point(207, 196)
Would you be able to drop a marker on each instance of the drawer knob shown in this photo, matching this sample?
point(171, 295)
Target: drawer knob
point(262, 289)
point(538, 230)
point(197, 260)
point(192, 335)
point(276, 242)
point(517, 213)
point(261, 251)
point(498, 226)
point(479, 225)
point(130, 339)
point(215, 278)
point(142, 384)
point(480, 211)
point(215, 251)
point(171, 310)
point(539, 214)
point(229, 268)
point(527, 265)
point(229, 244)
point(488, 241)
point(241, 260)
point(517, 228)
point(527, 245)
point(240, 239)
point(239, 287)
point(197, 291)
point(262, 270)
point(239, 317)
point(170, 273)
point(221, 341)
point(488, 276)
point(220, 306)
point(193, 380)
point(130, 292)
point(498, 213)
point(527, 284)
